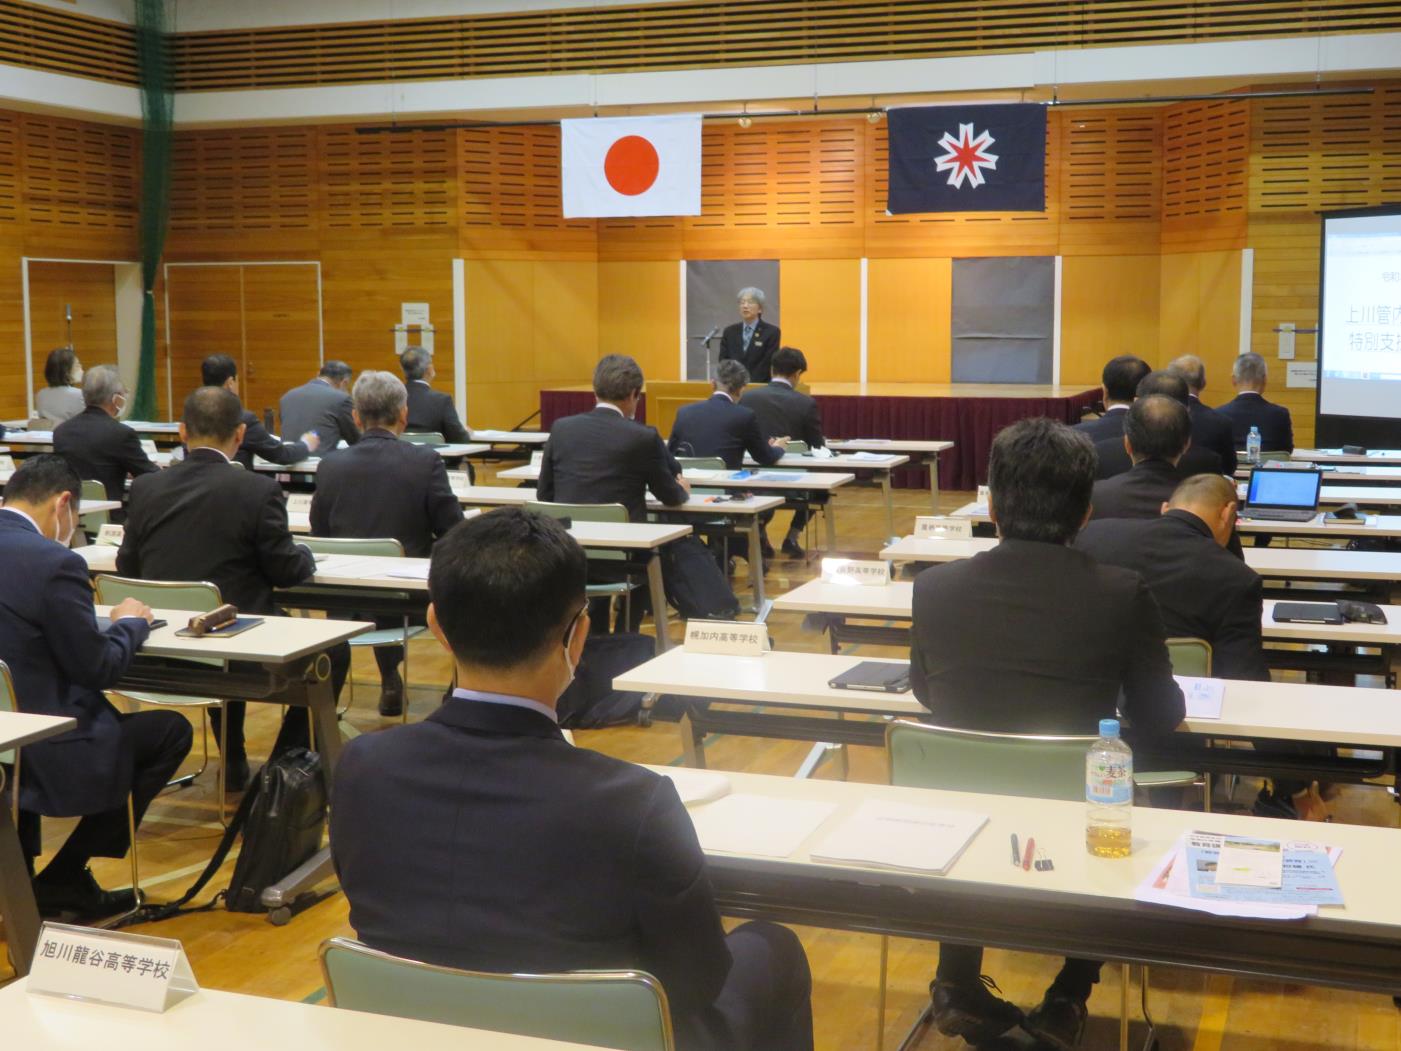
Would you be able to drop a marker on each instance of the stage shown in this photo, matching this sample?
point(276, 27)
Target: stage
point(967, 414)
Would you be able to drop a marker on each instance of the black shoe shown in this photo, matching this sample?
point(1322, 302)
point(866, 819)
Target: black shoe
point(1268, 804)
point(972, 1011)
point(81, 897)
point(235, 775)
point(1059, 1020)
point(765, 548)
point(792, 549)
point(391, 701)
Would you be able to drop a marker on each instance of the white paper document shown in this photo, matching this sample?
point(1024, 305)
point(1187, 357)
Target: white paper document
point(1250, 862)
point(872, 457)
point(762, 825)
point(698, 786)
point(412, 571)
point(901, 836)
point(1203, 696)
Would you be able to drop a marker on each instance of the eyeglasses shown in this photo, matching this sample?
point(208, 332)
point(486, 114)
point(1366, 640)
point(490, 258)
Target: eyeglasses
point(574, 620)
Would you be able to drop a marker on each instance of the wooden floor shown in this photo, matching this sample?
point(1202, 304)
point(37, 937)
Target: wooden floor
point(1204, 1012)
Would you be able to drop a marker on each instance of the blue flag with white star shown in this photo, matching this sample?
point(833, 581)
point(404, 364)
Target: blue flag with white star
point(967, 159)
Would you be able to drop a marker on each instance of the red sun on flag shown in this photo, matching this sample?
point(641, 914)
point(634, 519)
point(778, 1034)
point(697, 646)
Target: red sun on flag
point(631, 165)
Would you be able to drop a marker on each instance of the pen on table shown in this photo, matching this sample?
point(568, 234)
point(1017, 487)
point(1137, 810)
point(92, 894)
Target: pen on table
point(1016, 851)
point(1030, 853)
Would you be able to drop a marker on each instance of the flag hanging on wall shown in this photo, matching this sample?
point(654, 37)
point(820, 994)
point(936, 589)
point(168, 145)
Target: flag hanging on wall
point(967, 159)
point(631, 166)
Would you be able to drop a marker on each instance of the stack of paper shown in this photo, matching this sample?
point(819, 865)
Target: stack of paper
point(901, 836)
point(874, 457)
point(698, 786)
point(763, 825)
point(412, 570)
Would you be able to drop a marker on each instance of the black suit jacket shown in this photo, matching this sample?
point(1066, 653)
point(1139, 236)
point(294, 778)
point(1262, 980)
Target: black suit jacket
point(1114, 460)
point(61, 662)
point(1039, 638)
point(757, 357)
point(101, 448)
point(525, 854)
point(1203, 591)
point(600, 458)
point(205, 519)
point(432, 411)
point(1211, 430)
point(1137, 493)
point(1249, 409)
point(412, 500)
point(719, 427)
point(257, 441)
point(317, 406)
point(1110, 425)
point(785, 412)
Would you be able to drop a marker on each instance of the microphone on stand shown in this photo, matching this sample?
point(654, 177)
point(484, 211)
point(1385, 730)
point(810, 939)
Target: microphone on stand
point(705, 342)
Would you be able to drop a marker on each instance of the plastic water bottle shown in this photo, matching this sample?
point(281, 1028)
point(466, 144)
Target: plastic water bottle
point(1252, 445)
point(1109, 794)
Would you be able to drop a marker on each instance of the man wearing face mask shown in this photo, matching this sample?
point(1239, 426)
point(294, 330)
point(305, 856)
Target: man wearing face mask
point(61, 661)
point(526, 854)
point(95, 443)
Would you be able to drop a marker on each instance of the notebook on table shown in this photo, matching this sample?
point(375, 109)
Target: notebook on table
point(874, 676)
point(1283, 496)
point(1307, 613)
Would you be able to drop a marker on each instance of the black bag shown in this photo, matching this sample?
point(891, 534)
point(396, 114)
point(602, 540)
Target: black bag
point(284, 827)
point(591, 701)
point(694, 583)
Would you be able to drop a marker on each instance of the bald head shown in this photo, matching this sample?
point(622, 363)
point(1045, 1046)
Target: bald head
point(1191, 369)
point(1157, 427)
point(1211, 498)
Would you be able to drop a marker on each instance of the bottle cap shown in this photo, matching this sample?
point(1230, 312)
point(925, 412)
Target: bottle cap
point(1109, 727)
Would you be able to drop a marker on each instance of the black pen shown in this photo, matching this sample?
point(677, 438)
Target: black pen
point(1016, 851)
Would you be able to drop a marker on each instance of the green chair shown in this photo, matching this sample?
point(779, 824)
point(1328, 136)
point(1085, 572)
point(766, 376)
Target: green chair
point(93, 520)
point(798, 448)
point(625, 1010)
point(611, 590)
point(1190, 656)
point(423, 437)
point(701, 463)
point(400, 636)
point(197, 597)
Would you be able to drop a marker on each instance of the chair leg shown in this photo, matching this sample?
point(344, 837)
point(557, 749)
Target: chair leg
point(138, 897)
point(1125, 979)
point(880, 991)
point(221, 783)
point(185, 780)
point(404, 715)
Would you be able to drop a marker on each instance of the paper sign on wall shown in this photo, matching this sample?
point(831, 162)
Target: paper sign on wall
point(126, 970)
point(942, 527)
point(110, 535)
point(299, 503)
point(855, 571)
point(413, 314)
point(1286, 340)
point(734, 638)
point(1301, 374)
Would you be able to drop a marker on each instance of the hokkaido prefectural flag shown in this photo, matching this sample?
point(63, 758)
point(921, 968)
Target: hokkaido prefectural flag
point(621, 166)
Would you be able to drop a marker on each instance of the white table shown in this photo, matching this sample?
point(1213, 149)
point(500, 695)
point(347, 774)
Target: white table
point(310, 465)
point(1380, 527)
point(1373, 456)
point(85, 507)
point(17, 906)
point(217, 1021)
point(511, 437)
point(928, 451)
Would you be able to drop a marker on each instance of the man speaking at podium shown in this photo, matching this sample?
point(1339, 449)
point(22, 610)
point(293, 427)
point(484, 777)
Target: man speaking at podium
point(751, 340)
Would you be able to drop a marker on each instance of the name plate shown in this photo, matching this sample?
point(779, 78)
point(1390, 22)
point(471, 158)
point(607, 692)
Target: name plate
point(7, 462)
point(110, 535)
point(734, 638)
point(459, 481)
point(148, 446)
point(299, 503)
point(855, 571)
point(984, 495)
point(537, 458)
point(125, 970)
point(942, 527)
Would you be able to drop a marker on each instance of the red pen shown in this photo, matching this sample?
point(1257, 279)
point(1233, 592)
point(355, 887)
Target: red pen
point(1030, 853)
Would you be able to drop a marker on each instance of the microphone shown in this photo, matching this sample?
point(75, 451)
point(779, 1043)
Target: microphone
point(715, 331)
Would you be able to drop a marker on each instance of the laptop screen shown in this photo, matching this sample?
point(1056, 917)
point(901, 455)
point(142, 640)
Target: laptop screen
point(1279, 488)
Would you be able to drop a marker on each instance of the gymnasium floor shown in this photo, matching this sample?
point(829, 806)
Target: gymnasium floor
point(244, 953)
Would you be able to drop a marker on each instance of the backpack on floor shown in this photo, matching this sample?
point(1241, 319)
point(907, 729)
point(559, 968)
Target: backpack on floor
point(694, 583)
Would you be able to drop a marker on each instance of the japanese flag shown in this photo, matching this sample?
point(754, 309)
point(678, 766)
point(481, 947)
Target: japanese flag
point(631, 166)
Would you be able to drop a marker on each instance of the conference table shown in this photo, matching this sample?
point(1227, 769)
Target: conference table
point(1378, 527)
point(1372, 456)
point(927, 451)
point(312, 463)
point(882, 465)
point(17, 906)
point(85, 507)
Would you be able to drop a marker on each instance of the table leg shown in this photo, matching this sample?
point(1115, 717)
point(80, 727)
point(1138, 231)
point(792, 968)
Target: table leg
point(829, 515)
point(756, 563)
point(932, 460)
point(657, 591)
point(692, 743)
point(889, 504)
point(16, 897)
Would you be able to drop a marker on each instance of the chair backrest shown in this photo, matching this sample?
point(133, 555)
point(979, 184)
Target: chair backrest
point(93, 490)
point(1190, 656)
point(585, 513)
point(423, 437)
point(626, 1010)
point(1034, 765)
point(798, 448)
point(701, 463)
point(197, 596)
point(1276, 455)
point(8, 703)
point(387, 547)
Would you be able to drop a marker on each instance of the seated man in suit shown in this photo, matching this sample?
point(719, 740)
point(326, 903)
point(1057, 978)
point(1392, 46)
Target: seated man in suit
point(1114, 458)
point(1210, 430)
point(526, 854)
point(413, 502)
point(1250, 409)
point(204, 519)
point(722, 427)
point(1119, 383)
point(786, 412)
point(751, 340)
point(430, 411)
point(95, 443)
point(220, 370)
point(1157, 431)
point(996, 646)
point(61, 661)
point(321, 404)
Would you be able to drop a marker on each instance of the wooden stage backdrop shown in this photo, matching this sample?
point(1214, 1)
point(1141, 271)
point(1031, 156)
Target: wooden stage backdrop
point(1150, 207)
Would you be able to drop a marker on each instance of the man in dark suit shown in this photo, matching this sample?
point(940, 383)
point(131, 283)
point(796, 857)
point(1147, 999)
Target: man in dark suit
point(95, 443)
point(430, 411)
point(1114, 457)
point(205, 519)
point(996, 646)
point(321, 404)
point(603, 869)
point(1157, 431)
point(721, 427)
point(751, 340)
point(413, 502)
point(220, 370)
point(1250, 409)
point(786, 412)
point(1210, 429)
point(61, 661)
point(1119, 383)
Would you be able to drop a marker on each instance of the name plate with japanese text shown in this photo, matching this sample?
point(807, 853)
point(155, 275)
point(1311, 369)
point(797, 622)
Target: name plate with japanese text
point(110, 535)
point(459, 481)
point(734, 638)
point(125, 970)
point(942, 527)
point(855, 571)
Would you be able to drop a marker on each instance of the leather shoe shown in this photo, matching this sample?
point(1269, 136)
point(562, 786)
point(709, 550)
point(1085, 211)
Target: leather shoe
point(765, 548)
point(793, 549)
point(391, 701)
point(972, 1011)
point(235, 775)
point(81, 897)
point(1058, 1021)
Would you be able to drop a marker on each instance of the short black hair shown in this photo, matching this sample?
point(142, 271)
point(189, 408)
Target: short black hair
point(504, 586)
point(1041, 474)
point(1158, 427)
point(212, 412)
point(1164, 381)
point(1122, 375)
point(217, 369)
point(616, 377)
point(788, 360)
point(58, 367)
point(731, 375)
point(335, 370)
point(41, 477)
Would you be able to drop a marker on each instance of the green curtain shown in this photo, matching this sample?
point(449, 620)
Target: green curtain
point(157, 113)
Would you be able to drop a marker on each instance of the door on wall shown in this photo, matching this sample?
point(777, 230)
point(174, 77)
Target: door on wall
point(86, 292)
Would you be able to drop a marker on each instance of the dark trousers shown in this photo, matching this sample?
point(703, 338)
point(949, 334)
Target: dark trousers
point(962, 964)
point(296, 725)
point(158, 743)
point(766, 1001)
point(796, 527)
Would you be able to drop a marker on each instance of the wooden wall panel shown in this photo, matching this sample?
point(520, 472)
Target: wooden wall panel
point(1286, 289)
point(1206, 167)
point(89, 289)
point(376, 181)
point(243, 181)
point(639, 314)
point(909, 303)
point(1109, 306)
point(80, 181)
point(822, 315)
point(1200, 314)
point(281, 333)
point(14, 399)
point(501, 387)
point(206, 317)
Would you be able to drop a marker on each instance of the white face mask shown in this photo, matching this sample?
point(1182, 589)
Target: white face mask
point(77, 376)
point(119, 401)
point(568, 643)
point(66, 538)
